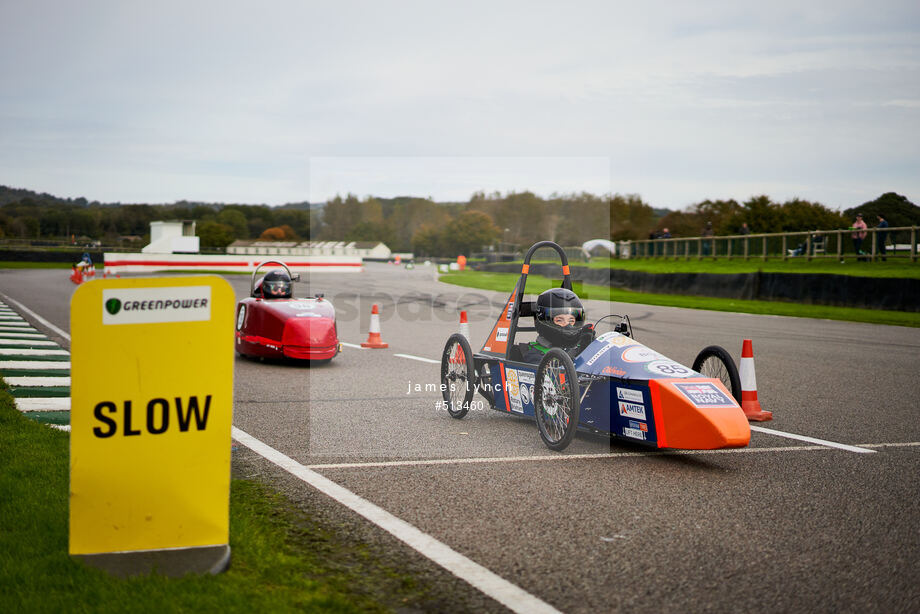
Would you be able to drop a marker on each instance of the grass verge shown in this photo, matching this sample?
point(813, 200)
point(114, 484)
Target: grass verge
point(283, 561)
point(504, 282)
point(900, 268)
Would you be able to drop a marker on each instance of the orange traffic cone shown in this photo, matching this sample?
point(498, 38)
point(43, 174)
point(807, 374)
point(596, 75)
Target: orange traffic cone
point(749, 403)
point(373, 336)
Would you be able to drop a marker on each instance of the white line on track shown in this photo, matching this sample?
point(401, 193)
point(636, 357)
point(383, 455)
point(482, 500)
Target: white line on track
point(29, 342)
point(511, 596)
point(563, 457)
point(352, 345)
point(19, 324)
point(17, 335)
point(28, 352)
point(39, 381)
point(43, 404)
point(35, 316)
point(820, 442)
point(34, 365)
point(419, 358)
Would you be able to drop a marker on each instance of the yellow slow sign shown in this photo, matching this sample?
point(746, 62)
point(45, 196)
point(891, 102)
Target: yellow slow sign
point(151, 413)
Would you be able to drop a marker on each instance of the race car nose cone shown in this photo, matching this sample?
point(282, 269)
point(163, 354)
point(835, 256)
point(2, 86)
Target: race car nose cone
point(697, 414)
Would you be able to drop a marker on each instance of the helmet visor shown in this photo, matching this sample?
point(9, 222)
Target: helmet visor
point(562, 316)
point(277, 287)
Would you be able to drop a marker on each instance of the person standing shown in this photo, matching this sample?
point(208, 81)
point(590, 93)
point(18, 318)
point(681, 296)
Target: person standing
point(882, 236)
point(859, 234)
point(707, 234)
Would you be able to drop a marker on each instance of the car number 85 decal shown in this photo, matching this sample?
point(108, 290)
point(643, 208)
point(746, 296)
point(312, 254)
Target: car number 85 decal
point(669, 368)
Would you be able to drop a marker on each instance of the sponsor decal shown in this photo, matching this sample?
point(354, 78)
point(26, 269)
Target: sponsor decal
point(634, 433)
point(615, 371)
point(510, 310)
point(487, 349)
point(640, 353)
point(525, 394)
point(501, 335)
point(526, 377)
point(625, 394)
point(307, 314)
point(608, 336)
point(669, 368)
point(642, 426)
point(705, 394)
point(598, 354)
point(154, 305)
point(617, 339)
point(302, 305)
point(632, 410)
point(513, 387)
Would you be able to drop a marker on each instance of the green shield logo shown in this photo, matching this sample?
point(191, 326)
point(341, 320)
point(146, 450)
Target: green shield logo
point(113, 306)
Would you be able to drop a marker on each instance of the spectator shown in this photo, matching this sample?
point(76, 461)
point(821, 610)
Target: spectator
point(744, 230)
point(706, 233)
point(859, 226)
point(665, 234)
point(882, 236)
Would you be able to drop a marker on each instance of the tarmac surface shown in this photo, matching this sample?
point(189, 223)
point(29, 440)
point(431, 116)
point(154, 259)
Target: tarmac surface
point(783, 525)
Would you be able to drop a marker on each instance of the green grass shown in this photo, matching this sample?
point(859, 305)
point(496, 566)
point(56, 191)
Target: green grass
point(283, 561)
point(15, 264)
point(504, 282)
point(890, 268)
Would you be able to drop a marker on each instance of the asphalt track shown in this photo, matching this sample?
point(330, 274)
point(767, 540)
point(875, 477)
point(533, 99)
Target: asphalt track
point(783, 525)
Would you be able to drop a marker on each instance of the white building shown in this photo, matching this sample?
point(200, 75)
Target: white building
point(366, 250)
point(172, 238)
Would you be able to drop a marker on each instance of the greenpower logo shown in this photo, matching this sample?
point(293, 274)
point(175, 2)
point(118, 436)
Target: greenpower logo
point(113, 306)
point(156, 304)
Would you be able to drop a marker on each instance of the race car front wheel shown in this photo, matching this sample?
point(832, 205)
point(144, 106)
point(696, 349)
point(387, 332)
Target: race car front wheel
point(458, 377)
point(556, 401)
point(715, 361)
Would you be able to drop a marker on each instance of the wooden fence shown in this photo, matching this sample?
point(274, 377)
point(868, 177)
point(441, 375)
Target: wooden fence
point(838, 244)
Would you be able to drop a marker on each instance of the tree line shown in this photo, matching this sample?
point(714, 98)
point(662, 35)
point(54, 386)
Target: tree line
point(431, 228)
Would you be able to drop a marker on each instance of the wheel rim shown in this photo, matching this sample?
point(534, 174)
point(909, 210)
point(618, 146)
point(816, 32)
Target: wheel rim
point(713, 367)
point(457, 376)
point(556, 408)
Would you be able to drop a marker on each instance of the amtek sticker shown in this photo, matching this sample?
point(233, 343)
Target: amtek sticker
point(632, 410)
point(501, 334)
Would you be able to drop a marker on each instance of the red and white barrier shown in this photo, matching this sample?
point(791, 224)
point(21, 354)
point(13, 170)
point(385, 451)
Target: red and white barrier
point(115, 263)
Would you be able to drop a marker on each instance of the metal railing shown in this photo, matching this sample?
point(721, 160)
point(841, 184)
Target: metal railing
point(814, 244)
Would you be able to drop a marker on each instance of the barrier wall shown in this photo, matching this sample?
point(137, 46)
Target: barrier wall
point(115, 262)
point(838, 290)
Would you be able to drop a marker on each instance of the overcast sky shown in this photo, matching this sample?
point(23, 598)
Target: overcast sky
point(276, 102)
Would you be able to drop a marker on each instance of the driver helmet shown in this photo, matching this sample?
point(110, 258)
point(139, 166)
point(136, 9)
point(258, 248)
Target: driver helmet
point(276, 284)
point(559, 317)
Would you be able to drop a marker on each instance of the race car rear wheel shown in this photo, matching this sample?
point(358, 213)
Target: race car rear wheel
point(556, 400)
point(458, 377)
point(715, 362)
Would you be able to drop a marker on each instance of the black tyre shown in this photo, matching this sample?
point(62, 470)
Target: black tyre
point(715, 361)
point(556, 399)
point(458, 377)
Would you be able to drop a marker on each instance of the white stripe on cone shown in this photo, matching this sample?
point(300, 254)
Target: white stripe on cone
point(464, 325)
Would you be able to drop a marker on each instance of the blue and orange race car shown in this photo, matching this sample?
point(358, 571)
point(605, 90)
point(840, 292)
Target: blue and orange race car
point(615, 385)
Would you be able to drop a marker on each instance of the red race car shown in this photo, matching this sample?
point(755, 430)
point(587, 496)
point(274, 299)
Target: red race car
point(271, 323)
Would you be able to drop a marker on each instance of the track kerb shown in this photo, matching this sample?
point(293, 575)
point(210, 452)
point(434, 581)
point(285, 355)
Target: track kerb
point(373, 336)
point(749, 403)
